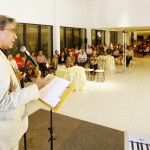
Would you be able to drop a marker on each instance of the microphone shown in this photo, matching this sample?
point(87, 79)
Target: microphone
point(24, 50)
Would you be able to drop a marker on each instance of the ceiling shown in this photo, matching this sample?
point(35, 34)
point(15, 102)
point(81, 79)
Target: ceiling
point(139, 30)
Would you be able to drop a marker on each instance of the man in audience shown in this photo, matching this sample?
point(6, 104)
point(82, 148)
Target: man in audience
point(129, 56)
point(41, 60)
point(89, 52)
point(82, 57)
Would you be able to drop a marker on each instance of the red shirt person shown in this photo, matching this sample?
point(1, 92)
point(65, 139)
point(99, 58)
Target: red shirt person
point(20, 62)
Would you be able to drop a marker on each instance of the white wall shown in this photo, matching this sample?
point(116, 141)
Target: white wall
point(73, 13)
point(68, 13)
point(28, 11)
point(120, 13)
point(78, 13)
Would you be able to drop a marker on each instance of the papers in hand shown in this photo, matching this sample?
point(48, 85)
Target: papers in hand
point(51, 93)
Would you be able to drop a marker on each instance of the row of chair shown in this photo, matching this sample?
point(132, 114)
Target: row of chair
point(98, 74)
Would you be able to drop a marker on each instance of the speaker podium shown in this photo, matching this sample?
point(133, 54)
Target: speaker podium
point(40, 104)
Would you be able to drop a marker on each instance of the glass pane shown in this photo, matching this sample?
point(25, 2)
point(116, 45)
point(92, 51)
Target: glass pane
point(76, 37)
point(46, 41)
point(19, 40)
point(93, 37)
point(82, 36)
point(99, 38)
point(113, 37)
point(62, 40)
point(103, 37)
point(32, 37)
point(69, 37)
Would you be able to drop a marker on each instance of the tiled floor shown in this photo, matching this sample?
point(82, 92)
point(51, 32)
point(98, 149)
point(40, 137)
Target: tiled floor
point(121, 102)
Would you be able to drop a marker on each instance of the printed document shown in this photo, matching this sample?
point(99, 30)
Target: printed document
point(51, 93)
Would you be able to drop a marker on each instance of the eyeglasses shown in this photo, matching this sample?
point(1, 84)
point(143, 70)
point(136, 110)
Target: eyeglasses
point(11, 30)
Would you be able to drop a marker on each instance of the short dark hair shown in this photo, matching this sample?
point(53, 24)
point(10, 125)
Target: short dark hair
point(4, 20)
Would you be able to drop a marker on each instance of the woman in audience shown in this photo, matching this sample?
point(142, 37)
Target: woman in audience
point(62, 58)
point(70, 60)
point(35, 69)
point(20, 62)
point(77, 51)
point(14, 65)
point(54, 62)
point(93, 60)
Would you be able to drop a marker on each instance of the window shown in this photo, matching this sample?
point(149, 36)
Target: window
point(46, 41)
point(71, 37)
point(35, 38)
point(114, 37)
point(98, 37)
point(32, 37)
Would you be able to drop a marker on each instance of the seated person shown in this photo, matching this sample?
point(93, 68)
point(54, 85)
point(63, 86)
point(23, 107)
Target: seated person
point(35, 69)
point(75, 55)
point(89, 52)
point(41, 60)
point(121, 55)
point(109, 51)
point(70, 60)
point(20, 62)
point(140, 51)
point(14, 65)
point(116, 54)
point(77, 51)
point(129, 56)
point(93, 61)
point(54, 62)
point(82, 58)
point(146, 50)
point(62, 58)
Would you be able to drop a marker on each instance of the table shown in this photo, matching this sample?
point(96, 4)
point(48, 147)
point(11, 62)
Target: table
point(109, 61)
point(74, 74)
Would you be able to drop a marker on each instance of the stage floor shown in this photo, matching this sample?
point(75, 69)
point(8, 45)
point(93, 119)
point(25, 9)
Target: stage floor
point(72, 134)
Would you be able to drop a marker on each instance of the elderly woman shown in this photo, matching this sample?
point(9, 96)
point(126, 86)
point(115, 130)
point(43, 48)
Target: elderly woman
point(70, 60)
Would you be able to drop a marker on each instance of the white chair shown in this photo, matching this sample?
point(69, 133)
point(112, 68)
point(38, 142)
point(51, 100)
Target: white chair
point(89, 73)
point(100, 72)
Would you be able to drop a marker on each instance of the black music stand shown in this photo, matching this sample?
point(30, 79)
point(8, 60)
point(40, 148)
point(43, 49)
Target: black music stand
point(52, 138)
point(55, 109)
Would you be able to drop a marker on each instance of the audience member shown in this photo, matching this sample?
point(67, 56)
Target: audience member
point(41, 60)
point(70, 60)
point(62, 58)
point(129, 56)
point(93, 61)
point(20, 62)
point(82, 58)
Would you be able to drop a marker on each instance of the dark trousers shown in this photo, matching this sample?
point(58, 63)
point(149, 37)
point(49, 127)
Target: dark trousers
point(128, 59)
point(43, 68)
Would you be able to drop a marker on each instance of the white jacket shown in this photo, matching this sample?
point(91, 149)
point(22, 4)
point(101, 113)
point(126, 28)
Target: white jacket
point(13, 116)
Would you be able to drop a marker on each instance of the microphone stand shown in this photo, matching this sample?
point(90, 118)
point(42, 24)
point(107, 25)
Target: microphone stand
point(52, 138)
point(25, 134)
point(25, 137)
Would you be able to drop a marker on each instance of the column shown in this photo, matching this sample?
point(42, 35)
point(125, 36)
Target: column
point(107, 38)
point(88, 35)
